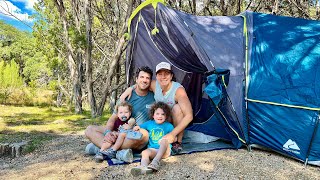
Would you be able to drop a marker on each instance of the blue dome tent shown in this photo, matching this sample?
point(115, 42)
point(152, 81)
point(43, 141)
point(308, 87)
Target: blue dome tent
point(253, 79)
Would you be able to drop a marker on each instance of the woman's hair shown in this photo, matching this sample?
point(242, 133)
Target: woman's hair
point(166, 109)
point(173, 75)
point(124, 104)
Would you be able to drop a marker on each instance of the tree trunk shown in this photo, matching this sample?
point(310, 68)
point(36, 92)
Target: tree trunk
point(77, 84)
point(114, 94)
point(206, 8)
point(89, 81)
point(115, 61)
point(193, 5)
point(75, 71)
point(275, 7)
point(239, 6)
point(317, 8)
point(223, 8)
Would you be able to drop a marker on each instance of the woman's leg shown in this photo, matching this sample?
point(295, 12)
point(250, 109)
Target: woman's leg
point(177, 116)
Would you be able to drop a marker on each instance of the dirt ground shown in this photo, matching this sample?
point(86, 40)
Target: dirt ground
point(64, 158)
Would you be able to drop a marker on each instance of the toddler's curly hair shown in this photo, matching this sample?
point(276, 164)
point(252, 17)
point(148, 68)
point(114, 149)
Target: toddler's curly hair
point(166, 109)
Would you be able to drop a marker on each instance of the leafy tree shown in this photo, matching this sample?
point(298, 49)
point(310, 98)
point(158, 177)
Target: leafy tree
point(21, 47)
point(9, 79)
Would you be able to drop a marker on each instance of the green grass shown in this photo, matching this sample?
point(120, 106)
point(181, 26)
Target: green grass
point(40, 124)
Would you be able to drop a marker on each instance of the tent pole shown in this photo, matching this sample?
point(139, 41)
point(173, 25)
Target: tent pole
point(234, 111)
point(246, 78)
point(306, 162)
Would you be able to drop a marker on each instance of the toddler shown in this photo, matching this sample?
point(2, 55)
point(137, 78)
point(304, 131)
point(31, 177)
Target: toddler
point(158, 147)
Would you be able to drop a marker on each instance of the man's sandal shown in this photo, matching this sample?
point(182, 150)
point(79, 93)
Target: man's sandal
point(154, 165)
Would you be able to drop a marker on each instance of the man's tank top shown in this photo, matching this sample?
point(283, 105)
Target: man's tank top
point(168, 98)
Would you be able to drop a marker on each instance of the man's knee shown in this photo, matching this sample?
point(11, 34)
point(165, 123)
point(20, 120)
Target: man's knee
point(88, 131)
point(92, 130)
point(136, 144)
point(145, 135)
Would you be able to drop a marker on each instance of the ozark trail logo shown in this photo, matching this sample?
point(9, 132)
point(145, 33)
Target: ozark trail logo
point(291, 146)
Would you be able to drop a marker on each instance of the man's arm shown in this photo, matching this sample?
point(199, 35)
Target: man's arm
point(111, 137)
point(111, 121)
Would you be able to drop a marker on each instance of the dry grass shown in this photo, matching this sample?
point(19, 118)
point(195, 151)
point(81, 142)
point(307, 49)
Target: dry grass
point(40, 124)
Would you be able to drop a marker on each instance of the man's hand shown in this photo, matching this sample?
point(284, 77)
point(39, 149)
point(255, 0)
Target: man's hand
point(111, 137)
point(170, 138)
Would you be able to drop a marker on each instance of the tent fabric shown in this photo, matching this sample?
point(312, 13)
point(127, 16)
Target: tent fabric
point(273, 95)
point(284, 69)
point(216, 85)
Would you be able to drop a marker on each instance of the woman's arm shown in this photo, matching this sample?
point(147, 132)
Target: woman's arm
point(127, 93)
point(153, 86)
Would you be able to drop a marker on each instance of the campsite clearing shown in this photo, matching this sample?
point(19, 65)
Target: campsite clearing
point(64, 158)
point(59, 154)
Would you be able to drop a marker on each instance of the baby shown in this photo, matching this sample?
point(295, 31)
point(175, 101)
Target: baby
point(123, 125)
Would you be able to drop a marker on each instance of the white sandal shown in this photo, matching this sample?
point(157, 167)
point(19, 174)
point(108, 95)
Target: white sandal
point(154, 165)
point(140, 170)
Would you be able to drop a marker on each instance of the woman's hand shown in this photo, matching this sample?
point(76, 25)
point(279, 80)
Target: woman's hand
point(126, 94)
point(169, 137)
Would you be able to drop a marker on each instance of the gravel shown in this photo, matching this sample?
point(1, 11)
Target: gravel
point(64, 158)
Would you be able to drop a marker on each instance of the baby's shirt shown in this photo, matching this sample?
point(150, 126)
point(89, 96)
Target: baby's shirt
point(118, 123)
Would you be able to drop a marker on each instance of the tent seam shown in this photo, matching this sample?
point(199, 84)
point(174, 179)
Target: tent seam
point(285, 105)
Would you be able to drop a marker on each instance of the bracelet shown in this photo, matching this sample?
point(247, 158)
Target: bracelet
point(106, 132)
